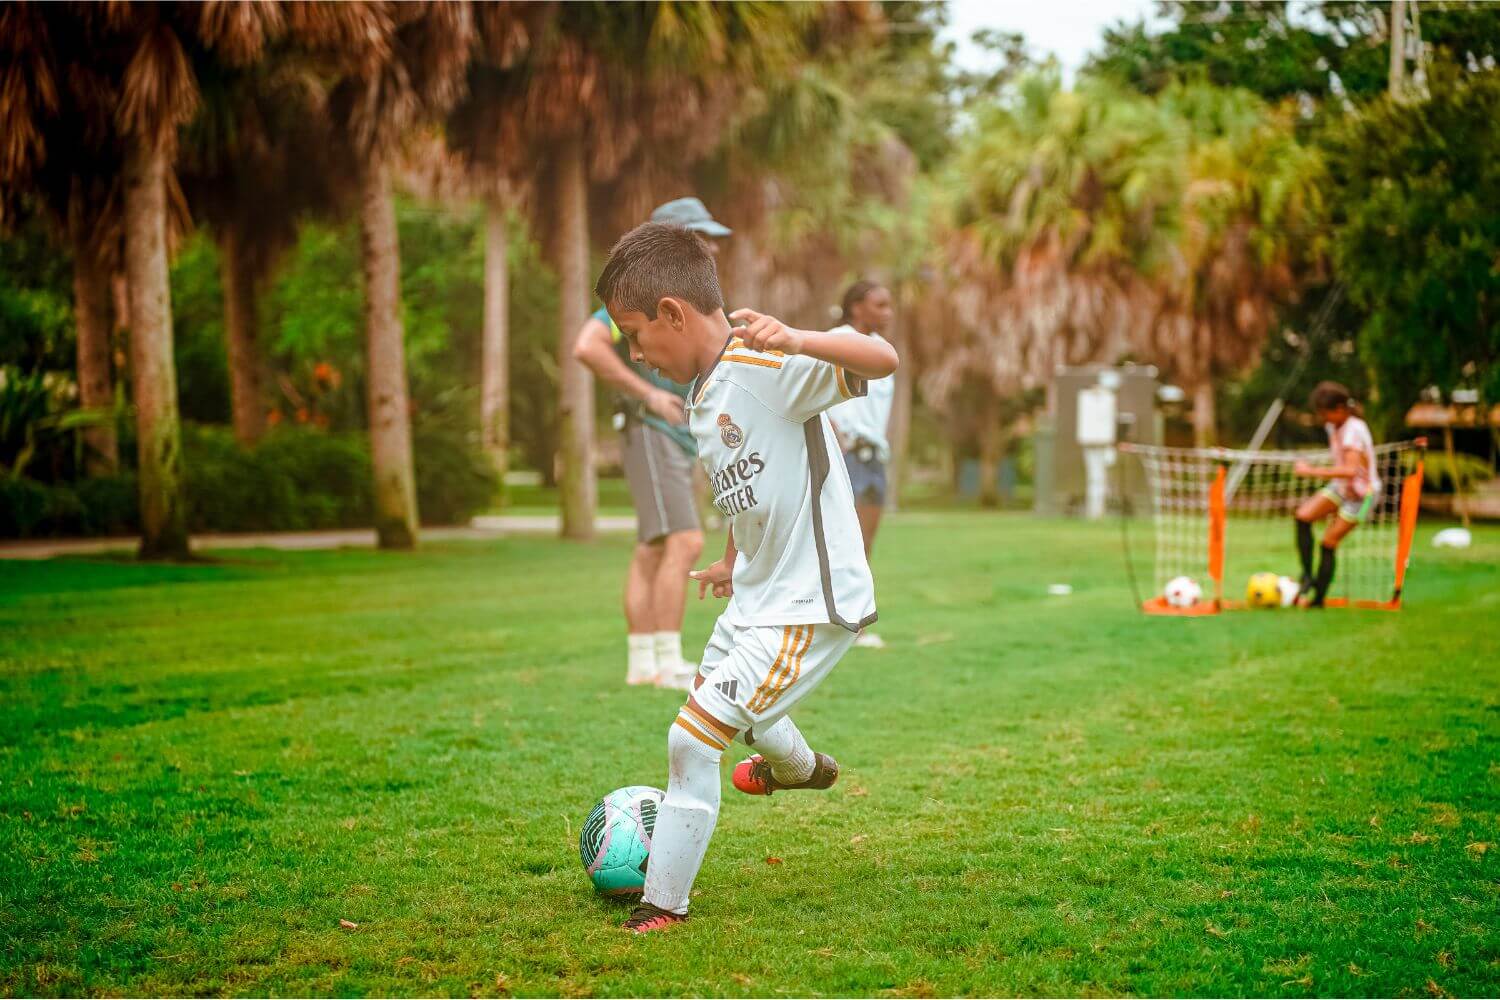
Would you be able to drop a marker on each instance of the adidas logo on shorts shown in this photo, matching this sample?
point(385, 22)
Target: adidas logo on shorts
point(728, 688)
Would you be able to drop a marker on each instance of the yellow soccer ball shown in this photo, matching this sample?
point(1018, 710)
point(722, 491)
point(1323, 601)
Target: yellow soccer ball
point(1264, 591)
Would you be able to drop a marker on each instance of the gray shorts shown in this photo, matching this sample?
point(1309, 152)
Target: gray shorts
point(866, 476)
point(660, 475)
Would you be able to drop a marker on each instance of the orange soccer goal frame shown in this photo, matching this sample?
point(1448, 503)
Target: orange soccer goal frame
point(1411, 495)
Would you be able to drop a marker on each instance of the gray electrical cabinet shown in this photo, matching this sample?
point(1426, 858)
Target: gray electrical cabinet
point(1060, 480)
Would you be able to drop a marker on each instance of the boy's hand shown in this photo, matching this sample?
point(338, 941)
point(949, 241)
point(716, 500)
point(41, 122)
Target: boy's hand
point(767, 333)
point(720, 576)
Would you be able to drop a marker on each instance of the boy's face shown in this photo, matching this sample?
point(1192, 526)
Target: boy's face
point(662, 343)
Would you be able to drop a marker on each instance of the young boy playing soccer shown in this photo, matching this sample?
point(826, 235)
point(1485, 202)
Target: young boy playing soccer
point(794, 569)
point(1352, 487)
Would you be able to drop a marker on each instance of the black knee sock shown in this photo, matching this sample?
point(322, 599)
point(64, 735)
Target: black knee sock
point(1304, 547)
point(1325, 574)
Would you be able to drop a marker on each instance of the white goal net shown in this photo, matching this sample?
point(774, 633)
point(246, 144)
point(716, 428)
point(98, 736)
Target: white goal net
point(1218, 516)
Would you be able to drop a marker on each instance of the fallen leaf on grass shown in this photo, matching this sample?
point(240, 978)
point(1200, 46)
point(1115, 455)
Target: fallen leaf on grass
point(1432, 989)
point(1226, 893)
point(502, 982)
point(773, 861)
point(1356, 971)
point(1210, 928)
point(1445, 959)
point(1479, 848)
point(348, 925)
point(740, 978)
point(1423, 927)
point(858, 838)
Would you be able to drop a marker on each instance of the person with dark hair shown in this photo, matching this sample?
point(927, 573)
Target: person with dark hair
point(657, 454)
point(1353, 485)
point(862, 423)
point(794, 567)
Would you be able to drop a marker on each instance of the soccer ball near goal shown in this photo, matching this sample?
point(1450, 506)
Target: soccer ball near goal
point(1182, 592)
point(1264, 591)
point(615, 842)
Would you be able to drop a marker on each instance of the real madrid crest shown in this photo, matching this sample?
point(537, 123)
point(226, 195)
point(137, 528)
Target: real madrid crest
point(730, 431)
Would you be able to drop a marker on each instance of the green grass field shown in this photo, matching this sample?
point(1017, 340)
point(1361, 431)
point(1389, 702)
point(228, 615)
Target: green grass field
point(205, 768)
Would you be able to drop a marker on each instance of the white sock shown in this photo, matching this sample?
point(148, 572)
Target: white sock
point(686, 819)
point(668, 646)
point(641, 666)
point(786, 748)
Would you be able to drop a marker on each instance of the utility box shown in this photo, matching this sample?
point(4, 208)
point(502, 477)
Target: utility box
point(1078, 408)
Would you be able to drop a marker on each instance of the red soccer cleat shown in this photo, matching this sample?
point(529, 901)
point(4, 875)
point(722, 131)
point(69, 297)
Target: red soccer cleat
point(753, 775)
point(647, 918)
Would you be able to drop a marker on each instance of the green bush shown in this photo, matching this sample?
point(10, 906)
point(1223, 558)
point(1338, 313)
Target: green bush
point(24, 505)
point(296, 479)
point(454, 479)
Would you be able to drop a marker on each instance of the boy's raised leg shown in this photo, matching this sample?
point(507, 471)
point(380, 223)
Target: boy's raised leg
point(784, 761)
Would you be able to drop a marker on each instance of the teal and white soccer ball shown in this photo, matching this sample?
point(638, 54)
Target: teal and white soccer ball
point(615, 842)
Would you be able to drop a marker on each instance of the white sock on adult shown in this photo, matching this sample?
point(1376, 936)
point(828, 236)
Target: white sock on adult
point(668, 647)
point(641, 667)
point(786, 748)
point(686, 819)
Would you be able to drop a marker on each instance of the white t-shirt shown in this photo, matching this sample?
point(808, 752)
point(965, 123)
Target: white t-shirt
point(1355, 433)
point(867, 417)
point(771, 457)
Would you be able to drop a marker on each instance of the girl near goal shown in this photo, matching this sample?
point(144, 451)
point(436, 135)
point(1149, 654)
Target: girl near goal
point(1352, 486)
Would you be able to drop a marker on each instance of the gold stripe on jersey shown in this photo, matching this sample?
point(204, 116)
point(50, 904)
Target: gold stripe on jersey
point(838, 373)
point(790, 674)
point(703, 737)
point(760, 692)
point(763, 362)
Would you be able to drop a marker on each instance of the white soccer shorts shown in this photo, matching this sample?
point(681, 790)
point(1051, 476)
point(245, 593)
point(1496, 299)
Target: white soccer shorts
point(752, 676)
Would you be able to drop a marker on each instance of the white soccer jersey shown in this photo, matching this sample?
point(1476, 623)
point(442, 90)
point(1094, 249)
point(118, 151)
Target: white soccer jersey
point(1355, 434)
point(867, 417)
point(769, 451)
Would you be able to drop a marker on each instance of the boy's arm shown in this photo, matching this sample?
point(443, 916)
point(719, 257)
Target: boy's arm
point(854, 352)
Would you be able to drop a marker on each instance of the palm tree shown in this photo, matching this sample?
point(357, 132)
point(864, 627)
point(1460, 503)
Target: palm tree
point(1248, 241)
point(1062, 225)
point(247, 170)
point(118, 74)
point(498, 175)
point(409, 69)
point(624, 77)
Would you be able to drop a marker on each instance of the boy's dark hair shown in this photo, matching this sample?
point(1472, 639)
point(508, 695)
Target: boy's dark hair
point(656, 260)
point(1329, 396)
point(854, 295)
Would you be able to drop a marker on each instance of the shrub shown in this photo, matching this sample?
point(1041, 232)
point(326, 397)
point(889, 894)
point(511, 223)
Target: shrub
point(455, 480)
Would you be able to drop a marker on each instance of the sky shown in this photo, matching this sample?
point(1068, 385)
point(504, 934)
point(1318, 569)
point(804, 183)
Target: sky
point(1071, 29)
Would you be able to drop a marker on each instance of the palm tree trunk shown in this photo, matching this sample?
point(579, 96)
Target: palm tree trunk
point(992, 441)
point(570, 243)
point(899, 432)
point(153, 373)
point(494, 398)
point(242, 331)
point(389, 411)
point(91, 293)
point(1204, 419)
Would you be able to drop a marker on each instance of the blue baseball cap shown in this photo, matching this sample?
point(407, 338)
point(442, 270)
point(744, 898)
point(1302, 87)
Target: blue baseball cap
point(690, 213)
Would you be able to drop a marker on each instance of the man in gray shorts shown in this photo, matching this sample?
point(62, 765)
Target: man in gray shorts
point(658, 457)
